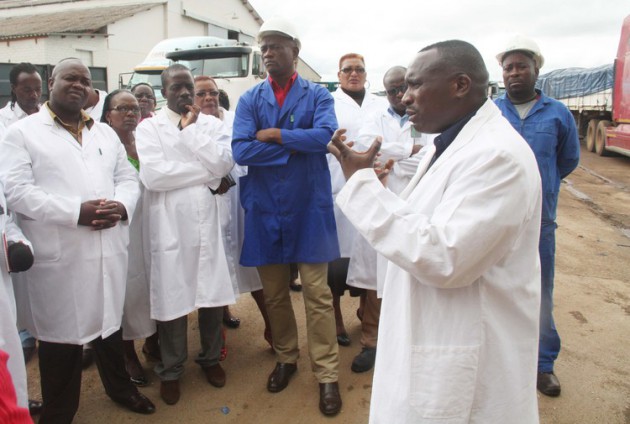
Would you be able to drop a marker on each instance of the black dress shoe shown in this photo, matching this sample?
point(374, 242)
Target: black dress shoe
point(364, 361)
point(343, 339)
point(329, 398)
point(231, 322)
point(295, 286)
point(548, 384)
point(138, 403)
point(279, 378)
point(35, 407)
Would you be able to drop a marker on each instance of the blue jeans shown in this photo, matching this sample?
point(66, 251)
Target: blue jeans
point(549, 340)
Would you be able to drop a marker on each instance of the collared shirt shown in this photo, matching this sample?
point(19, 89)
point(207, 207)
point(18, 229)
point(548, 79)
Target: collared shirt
point(402, 120)
point(173, 116)
point(447, 137)
point(281, 93)
point(85, 121)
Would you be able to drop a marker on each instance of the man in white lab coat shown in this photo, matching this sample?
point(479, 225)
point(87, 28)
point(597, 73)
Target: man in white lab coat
point(69, 181)
point(26, 91)
point(183, 156)
point(458, 335)
point(404, 146)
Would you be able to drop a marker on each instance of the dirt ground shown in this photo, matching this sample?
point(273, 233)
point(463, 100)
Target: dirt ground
point(592, 315)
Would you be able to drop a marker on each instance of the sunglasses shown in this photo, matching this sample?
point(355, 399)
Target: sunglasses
point(349, 70)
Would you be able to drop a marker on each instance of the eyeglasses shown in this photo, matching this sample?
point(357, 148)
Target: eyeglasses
point(144, 96)
point(349, 70)
point(127, 109)
point(394, 91)
point(201, 94)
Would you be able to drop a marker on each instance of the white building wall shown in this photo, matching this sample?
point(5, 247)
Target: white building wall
point(182, 26)
point(31, 50)
point(232, 15)
point(130, 40)
point(92, 50)
point(50, 50)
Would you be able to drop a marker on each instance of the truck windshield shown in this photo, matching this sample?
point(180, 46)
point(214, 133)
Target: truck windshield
point(226, 67)
point(153, 79)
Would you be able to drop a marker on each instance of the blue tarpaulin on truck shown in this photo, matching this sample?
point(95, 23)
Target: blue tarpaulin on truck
point(576, 82)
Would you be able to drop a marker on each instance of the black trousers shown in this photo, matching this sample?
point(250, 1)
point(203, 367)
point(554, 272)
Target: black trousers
point(60, 370)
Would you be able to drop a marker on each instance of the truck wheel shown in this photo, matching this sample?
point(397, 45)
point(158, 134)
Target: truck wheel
point(600, 138)
point(590, 134)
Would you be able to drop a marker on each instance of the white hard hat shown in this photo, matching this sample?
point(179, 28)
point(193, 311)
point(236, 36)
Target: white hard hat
point(279, 26)
point(520, 42)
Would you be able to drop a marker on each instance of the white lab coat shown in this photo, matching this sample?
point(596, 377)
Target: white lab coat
point(9, 338)
point(188, 263)
point(75, 290)
point(458, 333)
point(10, 116)
point(96, 111)
point(245, 279)
point(136, 320)
point(397, 145)
point(350, 117)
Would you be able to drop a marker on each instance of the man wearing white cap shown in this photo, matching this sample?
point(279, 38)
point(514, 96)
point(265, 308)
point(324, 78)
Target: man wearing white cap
point(549, 129)
point(281, 130)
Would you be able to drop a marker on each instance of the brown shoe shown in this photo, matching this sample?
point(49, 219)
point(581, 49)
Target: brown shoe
point(329, 398)
point(279, 378)
point(215, 375)
point(169, 390)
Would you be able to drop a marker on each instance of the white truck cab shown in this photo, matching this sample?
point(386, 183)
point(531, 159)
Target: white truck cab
point(235, 66)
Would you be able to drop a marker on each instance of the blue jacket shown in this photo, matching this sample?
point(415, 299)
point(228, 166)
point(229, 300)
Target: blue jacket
point(549, 129)
point(286, 194)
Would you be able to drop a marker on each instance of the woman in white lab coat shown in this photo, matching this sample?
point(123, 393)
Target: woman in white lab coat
point(352, 103)
point(121, 112)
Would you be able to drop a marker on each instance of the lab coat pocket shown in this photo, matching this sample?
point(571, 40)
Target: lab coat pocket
point(443, 382)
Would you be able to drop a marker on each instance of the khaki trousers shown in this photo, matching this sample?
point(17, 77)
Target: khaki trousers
point(369, 323)
point(320, 318)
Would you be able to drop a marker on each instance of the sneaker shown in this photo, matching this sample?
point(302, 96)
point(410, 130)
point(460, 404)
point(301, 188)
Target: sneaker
point(364, 361)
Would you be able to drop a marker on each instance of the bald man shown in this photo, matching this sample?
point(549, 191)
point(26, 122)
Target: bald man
point(458, 332)
point(68, 180)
